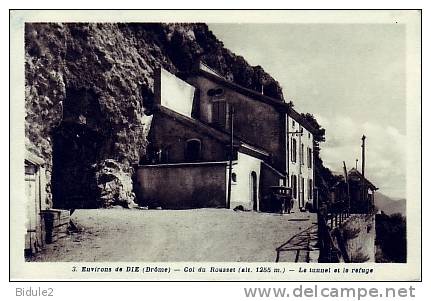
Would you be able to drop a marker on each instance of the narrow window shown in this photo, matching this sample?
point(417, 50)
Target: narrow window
point(310, 189)
point(301, 155)
point(165, 156)
point(219, 107)
point(302, 189)
point(220, 112)
point(193, 150)
point(294, 187)
point(309, 157)
point(293, 150)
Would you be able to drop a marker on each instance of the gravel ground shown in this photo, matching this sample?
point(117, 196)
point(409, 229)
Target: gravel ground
point(176, 235)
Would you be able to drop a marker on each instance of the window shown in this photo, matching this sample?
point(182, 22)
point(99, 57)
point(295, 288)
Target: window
point(301, 155)
point(302, 188)
point(216, 92)
point(293, 123)
point(219, 107)
point(165, 155)
point(294, 186)
point(310, 189)
point(162, 155)
point(193, 150)
point(309, 157)
point(293, 150)
point(220, 113)
point(233, 177)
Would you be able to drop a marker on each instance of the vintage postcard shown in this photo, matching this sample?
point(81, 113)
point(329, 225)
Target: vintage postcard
point(215, 145)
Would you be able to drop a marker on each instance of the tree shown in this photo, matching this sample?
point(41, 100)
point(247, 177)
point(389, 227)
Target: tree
point(391, 238)
point(325, 179)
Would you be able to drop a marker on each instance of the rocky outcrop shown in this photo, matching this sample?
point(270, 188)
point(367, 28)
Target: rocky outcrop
point(113, 186)
point(86, 90)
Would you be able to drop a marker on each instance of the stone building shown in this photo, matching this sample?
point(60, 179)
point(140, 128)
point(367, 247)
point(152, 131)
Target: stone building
point(187, 163)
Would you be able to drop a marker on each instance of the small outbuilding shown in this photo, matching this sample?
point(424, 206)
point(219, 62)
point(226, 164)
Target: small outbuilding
point(361, 192)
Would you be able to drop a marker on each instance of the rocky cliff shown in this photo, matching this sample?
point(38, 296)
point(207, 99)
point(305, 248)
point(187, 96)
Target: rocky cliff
point(86, 90)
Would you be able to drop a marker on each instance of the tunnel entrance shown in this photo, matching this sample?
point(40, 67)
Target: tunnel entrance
point(77, 145)
point(75, 150)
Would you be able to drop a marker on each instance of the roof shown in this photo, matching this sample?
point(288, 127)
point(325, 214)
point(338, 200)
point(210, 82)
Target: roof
point(34, 159)
point(354, 172)
point(281, 174)
point(277, 103)
point(213, 132)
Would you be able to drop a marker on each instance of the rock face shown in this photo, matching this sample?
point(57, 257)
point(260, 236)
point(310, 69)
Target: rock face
point(113, 185)
point(86, 90)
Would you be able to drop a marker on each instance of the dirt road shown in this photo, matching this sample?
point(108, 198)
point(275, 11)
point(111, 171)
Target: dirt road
point(179, 235)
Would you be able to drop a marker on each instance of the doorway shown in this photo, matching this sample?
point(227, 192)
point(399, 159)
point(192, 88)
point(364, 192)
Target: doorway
point(253, 177)
point(33, 191)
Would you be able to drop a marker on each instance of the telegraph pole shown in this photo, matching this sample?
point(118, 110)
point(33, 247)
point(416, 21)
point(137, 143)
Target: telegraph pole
point(229, 187)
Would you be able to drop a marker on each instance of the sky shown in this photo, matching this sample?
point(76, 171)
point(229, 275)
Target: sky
point(351, 77)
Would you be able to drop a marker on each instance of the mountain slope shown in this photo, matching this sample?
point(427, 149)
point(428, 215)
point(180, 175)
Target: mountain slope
point(388, 205)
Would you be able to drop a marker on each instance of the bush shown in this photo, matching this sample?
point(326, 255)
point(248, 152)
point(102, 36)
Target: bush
point(391, 238)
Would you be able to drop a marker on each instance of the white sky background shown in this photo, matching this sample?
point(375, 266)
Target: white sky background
point(351, 77)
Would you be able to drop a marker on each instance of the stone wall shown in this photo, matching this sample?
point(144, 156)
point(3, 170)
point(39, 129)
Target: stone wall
point(182, 186)
point(356, 238)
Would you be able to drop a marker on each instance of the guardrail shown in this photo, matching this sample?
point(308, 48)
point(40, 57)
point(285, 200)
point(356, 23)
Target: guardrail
point(337, 213)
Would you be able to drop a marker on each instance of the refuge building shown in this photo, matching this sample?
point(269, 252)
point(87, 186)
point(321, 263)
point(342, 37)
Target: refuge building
point(203, 121)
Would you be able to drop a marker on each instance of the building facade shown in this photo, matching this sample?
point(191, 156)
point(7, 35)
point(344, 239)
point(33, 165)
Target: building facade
point(204, 120)
point(300, 166)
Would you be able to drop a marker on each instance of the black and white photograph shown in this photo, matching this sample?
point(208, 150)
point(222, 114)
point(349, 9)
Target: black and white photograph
point(249, 149)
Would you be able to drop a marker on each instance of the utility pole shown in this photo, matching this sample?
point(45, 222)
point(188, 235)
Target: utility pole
point(363, 170)
point(229, 187)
